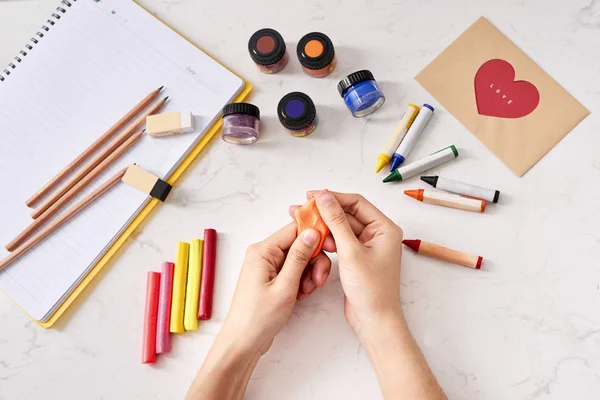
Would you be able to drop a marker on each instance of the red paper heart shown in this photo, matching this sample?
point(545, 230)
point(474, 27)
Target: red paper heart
point(498, 94)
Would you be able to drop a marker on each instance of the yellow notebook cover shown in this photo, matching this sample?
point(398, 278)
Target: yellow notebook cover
point(212, 131)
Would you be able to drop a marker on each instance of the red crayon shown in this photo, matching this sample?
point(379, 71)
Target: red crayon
point(444, 253)
point(207, 283)
point(150, 317)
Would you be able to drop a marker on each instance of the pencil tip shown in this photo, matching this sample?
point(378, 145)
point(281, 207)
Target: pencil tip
point(144, 130)
point(161, 88)
point(166, 98)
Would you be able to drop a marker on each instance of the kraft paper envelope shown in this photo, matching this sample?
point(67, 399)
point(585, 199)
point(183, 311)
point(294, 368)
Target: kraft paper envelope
point(499, 94)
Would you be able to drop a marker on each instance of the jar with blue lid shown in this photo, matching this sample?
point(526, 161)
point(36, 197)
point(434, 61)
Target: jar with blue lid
point(361, 93)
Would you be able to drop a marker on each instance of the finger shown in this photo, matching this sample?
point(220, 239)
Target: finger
point(304, 296)
point(329, 244)
point(336, 219)
point(284, 237)
point(298, 257)
point(306, 282)
point(320, 270)
point(357, 206)
point(356, 225)
point(292, 211)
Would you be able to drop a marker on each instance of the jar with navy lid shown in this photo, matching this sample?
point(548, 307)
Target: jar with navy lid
point(298, 114)
point(240, 123)
point(361, 93)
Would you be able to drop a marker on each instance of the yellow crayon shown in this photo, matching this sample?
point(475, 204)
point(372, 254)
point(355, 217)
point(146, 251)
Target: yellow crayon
point(192, 294)
point(394, 141)
point(179, 280)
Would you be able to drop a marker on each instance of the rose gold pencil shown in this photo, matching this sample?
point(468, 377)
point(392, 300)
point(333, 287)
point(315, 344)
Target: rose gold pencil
point(67, 215)
point(92, 148)
point(116, 142)
point(50, 212)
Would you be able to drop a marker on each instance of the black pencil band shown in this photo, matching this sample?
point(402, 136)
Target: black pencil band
point(161, 190)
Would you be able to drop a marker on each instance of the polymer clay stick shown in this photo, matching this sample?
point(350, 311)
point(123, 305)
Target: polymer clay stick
point(207, 281)
point(146, 182)
point(150, 318)
point(192, 294)
point(179, 286)
point(163, 333)
point(308, 216)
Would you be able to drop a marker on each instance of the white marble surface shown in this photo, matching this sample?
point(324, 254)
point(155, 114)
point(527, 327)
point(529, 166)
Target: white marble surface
point(525, 327)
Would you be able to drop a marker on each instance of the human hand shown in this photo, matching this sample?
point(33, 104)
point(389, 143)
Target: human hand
point(369, 248)
point(270, 283)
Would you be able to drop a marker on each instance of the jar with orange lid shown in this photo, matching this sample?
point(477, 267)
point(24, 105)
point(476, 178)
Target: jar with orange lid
point(316, 54)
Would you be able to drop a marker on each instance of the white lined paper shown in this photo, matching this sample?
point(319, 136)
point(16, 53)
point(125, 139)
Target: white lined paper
point(87, 71)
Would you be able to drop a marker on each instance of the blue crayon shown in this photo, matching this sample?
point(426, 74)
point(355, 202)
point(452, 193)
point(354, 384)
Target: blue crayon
point(411, 137)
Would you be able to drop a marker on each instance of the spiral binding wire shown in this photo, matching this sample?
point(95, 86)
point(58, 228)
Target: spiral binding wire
point(56, 16)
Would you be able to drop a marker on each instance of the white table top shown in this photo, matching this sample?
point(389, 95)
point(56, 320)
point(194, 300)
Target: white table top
point(525, 327)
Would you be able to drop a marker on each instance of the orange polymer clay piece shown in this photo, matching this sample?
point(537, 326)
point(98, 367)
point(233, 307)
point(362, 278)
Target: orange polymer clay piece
point(308, 216)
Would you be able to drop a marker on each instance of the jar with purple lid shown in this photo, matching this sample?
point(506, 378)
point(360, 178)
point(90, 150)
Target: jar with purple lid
point(240, 123)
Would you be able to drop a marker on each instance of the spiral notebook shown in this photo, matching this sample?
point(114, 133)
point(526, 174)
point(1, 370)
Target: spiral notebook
point(89, 64)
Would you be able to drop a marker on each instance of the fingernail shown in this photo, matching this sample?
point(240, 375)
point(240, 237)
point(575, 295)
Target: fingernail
point(310, 286)
point(325, 199)
point(310, 237)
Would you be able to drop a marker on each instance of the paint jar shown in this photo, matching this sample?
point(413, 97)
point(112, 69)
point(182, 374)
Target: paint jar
point(297, 113)
point(240, 123)
point(268, 51)
point(361, 93)
point(316, 54)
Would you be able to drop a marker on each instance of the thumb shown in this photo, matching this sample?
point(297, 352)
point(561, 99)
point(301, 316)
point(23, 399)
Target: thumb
point(336, 219)
point(298, 257)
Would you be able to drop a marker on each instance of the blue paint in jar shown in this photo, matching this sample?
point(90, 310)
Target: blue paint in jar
point(361, 93)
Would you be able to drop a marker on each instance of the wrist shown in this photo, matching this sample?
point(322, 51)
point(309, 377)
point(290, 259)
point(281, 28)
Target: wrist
point(230, 343)
point(225, 372)
point(382, 327)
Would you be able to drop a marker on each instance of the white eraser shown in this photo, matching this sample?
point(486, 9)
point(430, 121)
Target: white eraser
point(168, 124)
point(186, 121)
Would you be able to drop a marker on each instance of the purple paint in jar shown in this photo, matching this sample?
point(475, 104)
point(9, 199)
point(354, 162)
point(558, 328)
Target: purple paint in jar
point(298, 114)
point(240, 123)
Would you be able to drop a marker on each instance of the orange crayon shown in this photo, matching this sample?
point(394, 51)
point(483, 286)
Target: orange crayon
point(447, 200)
point(444, 253)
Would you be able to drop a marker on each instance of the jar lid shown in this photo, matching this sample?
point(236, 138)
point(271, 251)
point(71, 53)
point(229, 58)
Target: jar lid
point(315, 50)
point(296, 111)
point(241, 108)
point(354, 78)
point(266, 47)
